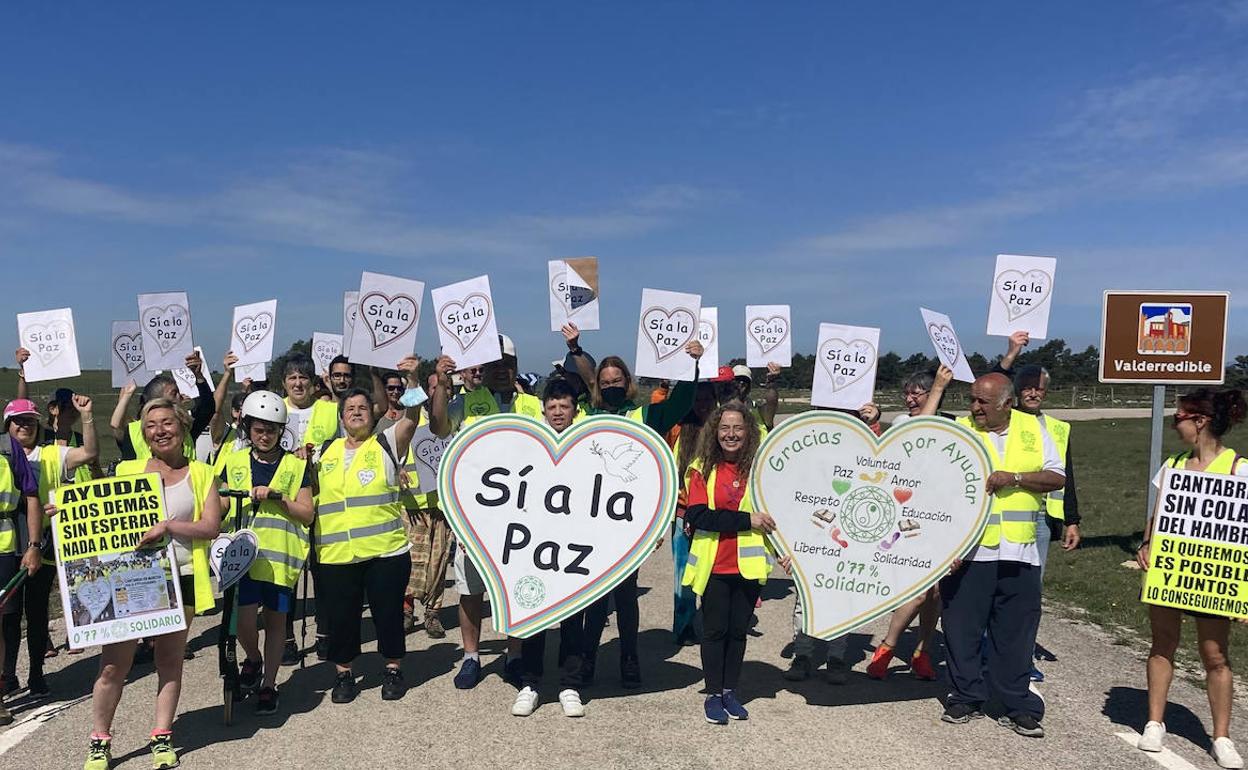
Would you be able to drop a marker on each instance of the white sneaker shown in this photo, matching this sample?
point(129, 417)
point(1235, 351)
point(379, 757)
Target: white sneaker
point(1224, 753)
point(1154, 734)
point(571, 702)
point(526, 703)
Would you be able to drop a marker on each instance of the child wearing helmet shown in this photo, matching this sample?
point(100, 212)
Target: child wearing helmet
point(281, 528)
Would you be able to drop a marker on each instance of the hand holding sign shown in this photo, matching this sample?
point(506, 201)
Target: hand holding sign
point(573, 292)
point(1021, 290)
point(467, 327)
point(389, 313)
point(669, 322)
point(945, 341)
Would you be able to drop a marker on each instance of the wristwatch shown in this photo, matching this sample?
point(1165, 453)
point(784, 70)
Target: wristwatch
point(1018, 479)
point(36, 544)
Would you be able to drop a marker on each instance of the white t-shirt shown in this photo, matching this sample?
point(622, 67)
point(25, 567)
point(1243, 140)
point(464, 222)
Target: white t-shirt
point(180, 506)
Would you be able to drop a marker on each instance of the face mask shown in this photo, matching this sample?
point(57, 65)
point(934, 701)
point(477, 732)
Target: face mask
point(614, 396)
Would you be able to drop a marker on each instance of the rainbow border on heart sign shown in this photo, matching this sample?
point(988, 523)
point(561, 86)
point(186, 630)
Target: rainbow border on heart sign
point(852, 424)
point(556, 445)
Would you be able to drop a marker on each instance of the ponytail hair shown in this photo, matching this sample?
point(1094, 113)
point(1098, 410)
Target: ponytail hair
point(1224, 408)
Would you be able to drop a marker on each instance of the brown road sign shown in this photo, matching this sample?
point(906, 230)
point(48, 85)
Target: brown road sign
point(1164, 338)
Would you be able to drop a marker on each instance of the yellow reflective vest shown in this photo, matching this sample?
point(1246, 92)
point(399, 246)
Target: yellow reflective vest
point(283, 541)
point(358, 513)
point(203, 482)
point(481, 403)
point(1013, 514)
point(10, 496)
point(1224, 463)
point(753, 550)
point(1059, 430)
point(143, 452)
point(324, 423)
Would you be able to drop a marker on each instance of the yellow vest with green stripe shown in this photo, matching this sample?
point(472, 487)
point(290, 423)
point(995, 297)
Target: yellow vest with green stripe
point(324, 423)
point(231, 442)
point(10, 496)
point(283, 541)
point(143, 452)
point(481, 403)
point(1224, 463)
point(1059, 430)
point(1013, 514)
point(753, 561)
point(358, 514)
point(203, 483)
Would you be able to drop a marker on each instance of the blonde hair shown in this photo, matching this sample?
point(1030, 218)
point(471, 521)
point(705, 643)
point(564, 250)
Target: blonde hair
point(179, 412)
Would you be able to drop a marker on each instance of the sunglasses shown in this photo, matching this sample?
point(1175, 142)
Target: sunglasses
point(399, 388)
point(1178, 418)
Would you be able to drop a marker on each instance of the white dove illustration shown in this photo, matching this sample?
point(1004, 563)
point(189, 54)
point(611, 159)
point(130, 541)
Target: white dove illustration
point(618, 461)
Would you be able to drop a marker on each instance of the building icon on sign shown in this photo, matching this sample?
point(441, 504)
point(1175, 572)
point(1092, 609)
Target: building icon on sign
point(1165, 329)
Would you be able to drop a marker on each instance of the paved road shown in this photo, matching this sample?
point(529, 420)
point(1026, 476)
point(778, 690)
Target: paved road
point(1093, 691)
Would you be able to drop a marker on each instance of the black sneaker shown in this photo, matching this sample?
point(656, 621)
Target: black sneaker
point(799, 670)
point(345, 688)
point(249, 675)
point(322, 648)
point(266, 701)
point(291, 654)
point(630, 673)
point(1023, 724)
point(392, 685)
point(9, 684)
point(36, 685)
point(961, 713)
point(513, 672)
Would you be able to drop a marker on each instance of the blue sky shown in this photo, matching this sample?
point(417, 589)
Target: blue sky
point(853, 160)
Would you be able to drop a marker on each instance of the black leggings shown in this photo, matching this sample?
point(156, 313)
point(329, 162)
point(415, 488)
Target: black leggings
point(627, 619)
point(727, 606)
point(33, 598)
point(344, 587)
point(571, 642)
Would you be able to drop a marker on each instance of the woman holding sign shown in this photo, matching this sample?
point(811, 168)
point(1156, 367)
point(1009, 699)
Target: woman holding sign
point(360, 542)
point(729, 559)
point(1201, 420)
point(192, 519)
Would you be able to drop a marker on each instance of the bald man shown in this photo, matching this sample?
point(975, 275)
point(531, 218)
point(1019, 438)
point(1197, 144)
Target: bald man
point(996, 588)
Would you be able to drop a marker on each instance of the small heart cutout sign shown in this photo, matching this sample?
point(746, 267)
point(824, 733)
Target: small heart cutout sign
point(846, 361)
point(861, 549)
point(129, 351)
point(389, 318)
point(946, 343)
point(768, 333)
point(668, 331)
point(1023, 292)
point(465, 320)
point(554, 521)
point(252, 330)
point(168, 325)
point(230, 556)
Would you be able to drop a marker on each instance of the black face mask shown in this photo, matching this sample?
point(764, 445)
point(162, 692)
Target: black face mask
point(614, 397)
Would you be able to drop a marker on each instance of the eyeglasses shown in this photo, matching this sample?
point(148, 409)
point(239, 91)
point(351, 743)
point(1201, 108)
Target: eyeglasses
point(1179, 417)
point(916, 393)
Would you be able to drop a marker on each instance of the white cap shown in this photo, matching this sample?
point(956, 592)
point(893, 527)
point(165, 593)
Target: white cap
point(741, 370)
point(509, 347)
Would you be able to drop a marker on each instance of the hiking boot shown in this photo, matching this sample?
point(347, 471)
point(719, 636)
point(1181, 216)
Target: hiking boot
point(1151, 740)
point(433, 626)
point(733, 706)
point(266, 701)
point(961, 713)
point(878, 667)
point(921, 667)
point(392, 686)
point(1023, 724)
point(99, 754)
point(291, 654)
point(630, 673)
point(799, 669)
point(837, 672)
point(249, 675)
point(345, 688)
point(526, 702)
point(163, 755)
point(409, 622)
point(714, 708)
point(469, 674)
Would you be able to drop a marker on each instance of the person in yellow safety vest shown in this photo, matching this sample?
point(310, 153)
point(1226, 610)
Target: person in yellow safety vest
point(1201, 419)
point(360, 543)
point(743, 383)
point(311, 420)
point(192, 520)
point(730, 557)
point(497, 394)
point(996, 587)
point(53, 466)
point(19, 496)
point(129, 435)
point(281, 528)
point(230, 437)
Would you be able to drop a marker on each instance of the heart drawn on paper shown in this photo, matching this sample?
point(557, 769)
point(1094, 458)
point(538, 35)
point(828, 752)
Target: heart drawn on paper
point(840, 486)
point(349, 313)
point(706, 333)
point(1023, 292)
point(129, 351)
point(768, 333)
point(553, 541)
point(573, 298)
point(187, 379)
point(49, 340)
point(166, 325)
point(325, 351)
point(366, 476)
point(429, 452)
point(946, 343)
point(668, 331)
point(230, 556)
point(252, 330)
point(846, 361)
point(388, 318)
point(933, 473)
point(95, 595)
point(466, 320)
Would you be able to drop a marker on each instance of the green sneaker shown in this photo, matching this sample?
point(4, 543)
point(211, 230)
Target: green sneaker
point(99, 755)
point(163, 755)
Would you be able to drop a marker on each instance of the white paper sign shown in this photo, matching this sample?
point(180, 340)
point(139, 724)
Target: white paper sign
point(165, 320)
point(325, 348)
point(945, 341)
point(126, 355)
point(768, 336)
point(869, 522)
point(845, 364)
point(385, 327)
point(427, 451)
point(253, 372)
point(252, 332)
point(1022, 288)
point(467, 327)
point(708, 335)
point(49, 336)
point(186, 378)
point(350, 308)
point(573, 285)
point(668, 322)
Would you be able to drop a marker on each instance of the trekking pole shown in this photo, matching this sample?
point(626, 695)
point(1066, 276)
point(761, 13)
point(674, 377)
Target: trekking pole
point(10, 588)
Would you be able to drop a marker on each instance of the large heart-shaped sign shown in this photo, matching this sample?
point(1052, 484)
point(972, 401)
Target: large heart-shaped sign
point(230, 556)
point(465, 320)
point(129, 351)
point(846, 361)
point(554, 522)
point(572, 297)
point(1023, 292)
point(252, 330)
point(946, 343)
point(389, 318)
point(668, 331)
point(95, 595)
point(871, 522)
point(169, 324)
point(48, 341)
point(768, 333)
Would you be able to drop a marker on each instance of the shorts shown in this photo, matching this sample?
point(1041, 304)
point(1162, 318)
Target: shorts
point(269, 595)
point(10, 563)
point(468, 581)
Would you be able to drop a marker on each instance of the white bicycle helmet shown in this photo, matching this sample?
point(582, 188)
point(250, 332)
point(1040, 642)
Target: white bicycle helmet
point(264, 405)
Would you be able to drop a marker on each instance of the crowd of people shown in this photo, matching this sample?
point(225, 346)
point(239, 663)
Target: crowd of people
point(329, 467)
